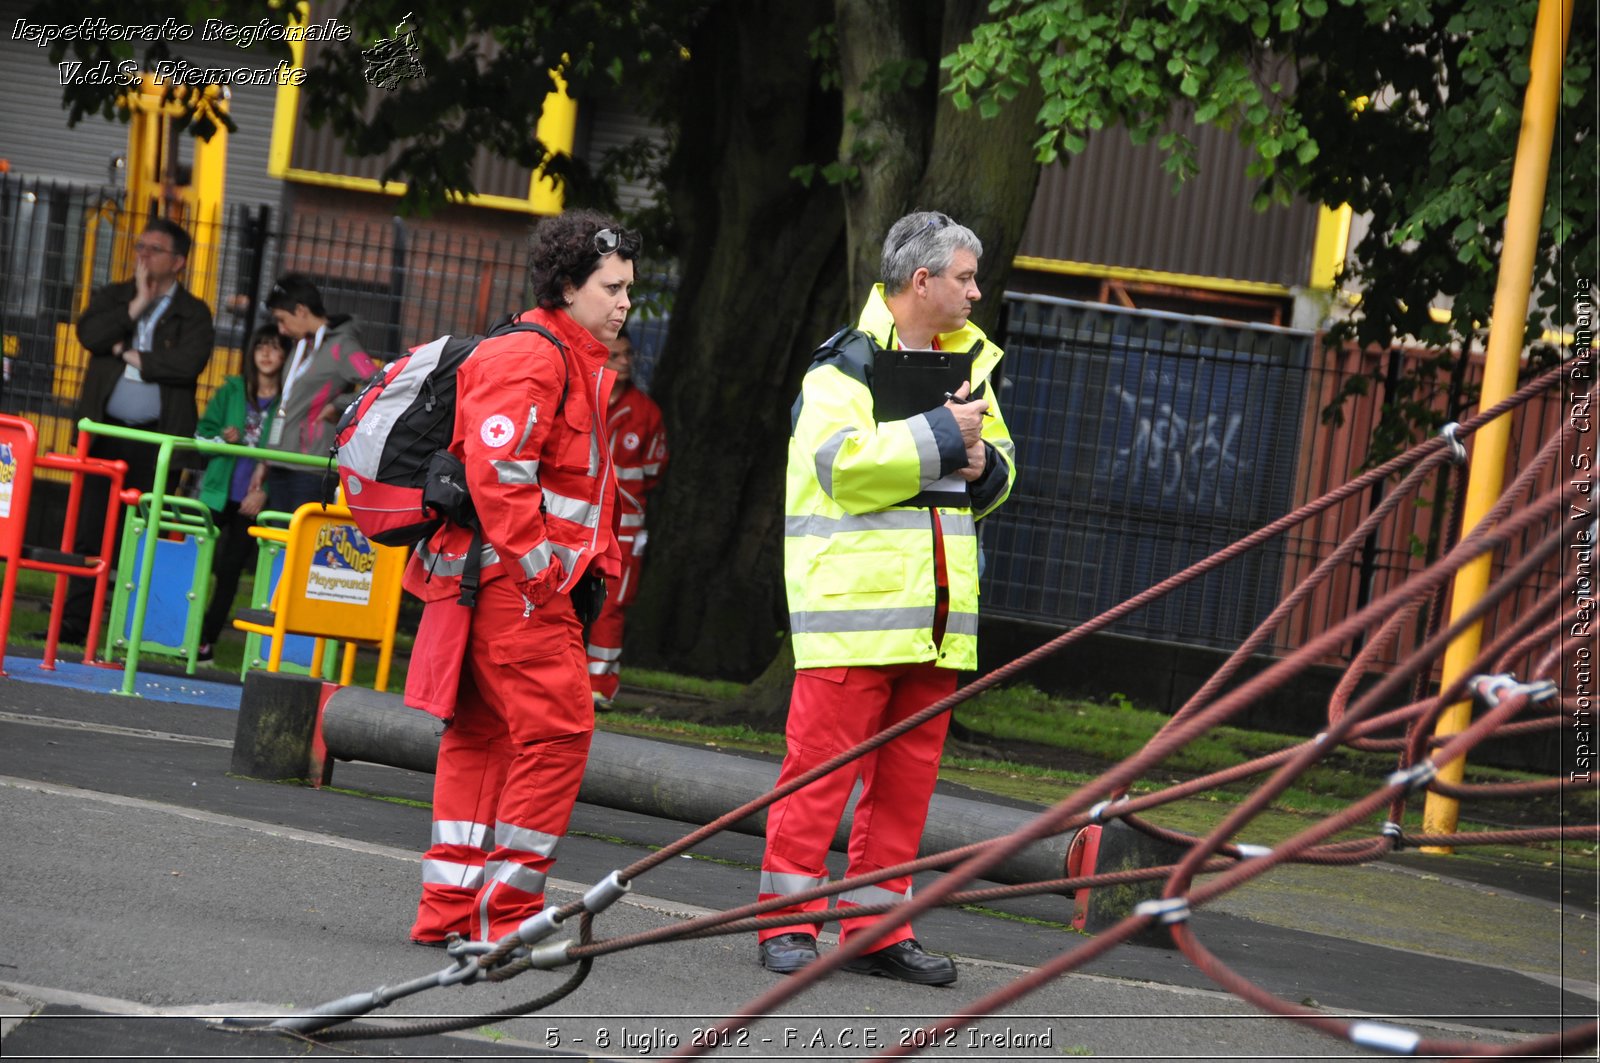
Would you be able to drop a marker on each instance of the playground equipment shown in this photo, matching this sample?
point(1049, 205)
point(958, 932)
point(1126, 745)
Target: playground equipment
point(143, 565)
point(186, 539)
point(19, 457)
point(335, 585)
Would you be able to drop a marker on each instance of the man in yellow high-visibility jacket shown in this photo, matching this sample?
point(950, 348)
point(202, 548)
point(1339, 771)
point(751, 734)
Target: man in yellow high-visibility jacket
point(881, 564)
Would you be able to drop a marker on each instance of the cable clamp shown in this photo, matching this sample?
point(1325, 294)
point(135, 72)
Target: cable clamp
point(1415, 777)
point(1491, 689)
point(552, 955)
point(1458, 453)
point(1391, 830)
point(1252, 852)
point(536, 928)
point(1168, 910)
point(1391, 1039)
point(1097, 814)
point(605, 893)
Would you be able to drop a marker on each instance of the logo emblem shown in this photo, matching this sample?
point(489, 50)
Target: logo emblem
point(630, 441)
point(496, 431)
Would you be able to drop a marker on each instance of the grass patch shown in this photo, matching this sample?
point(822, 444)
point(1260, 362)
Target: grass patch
point(690, 686)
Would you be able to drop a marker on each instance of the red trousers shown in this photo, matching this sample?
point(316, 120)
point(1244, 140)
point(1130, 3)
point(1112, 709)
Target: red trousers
point(831, 710)
point(604, 648)
point(509, 767)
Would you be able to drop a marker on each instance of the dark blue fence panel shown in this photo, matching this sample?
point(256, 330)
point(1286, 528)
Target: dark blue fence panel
point(1146, 441)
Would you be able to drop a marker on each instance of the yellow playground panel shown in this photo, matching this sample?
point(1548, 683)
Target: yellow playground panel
point(336, 585)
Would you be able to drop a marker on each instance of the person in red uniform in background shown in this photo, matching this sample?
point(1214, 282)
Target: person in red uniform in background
point(638, 455)
point(508, 674)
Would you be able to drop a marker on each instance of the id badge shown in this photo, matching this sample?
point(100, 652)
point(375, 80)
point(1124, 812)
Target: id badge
point(275, 435)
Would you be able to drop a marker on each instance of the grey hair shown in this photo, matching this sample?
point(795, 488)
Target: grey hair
point(923, 239)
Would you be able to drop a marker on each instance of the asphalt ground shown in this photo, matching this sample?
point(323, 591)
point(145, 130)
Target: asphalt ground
point(148, 892)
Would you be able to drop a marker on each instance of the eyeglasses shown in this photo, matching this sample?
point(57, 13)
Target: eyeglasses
point(610, 241)
point(937, 221)
point(142, 248)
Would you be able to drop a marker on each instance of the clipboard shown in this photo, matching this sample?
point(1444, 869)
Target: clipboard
point(906, 383)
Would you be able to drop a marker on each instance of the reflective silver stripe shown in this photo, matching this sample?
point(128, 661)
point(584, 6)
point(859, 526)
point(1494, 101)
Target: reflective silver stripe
point(952, 483)
point(569, 558)
point(873, 895)
point(514, 875)
point(534, 561)
point(577, 510)
point(825, 458)
point(630, 473)
point(953, 524)
point(961, 623)
point(782, 882)
point(444, 565)
point(652, 468)
point(632, 520)
point(525, 839)
point(927, 446)
point(604, 668)
point(1005, 446)
point(603, 653)
point(517, 472)
point(910, 618)
point(885, 520)
point(460, 832)
point(450, 873)
point(594, 451)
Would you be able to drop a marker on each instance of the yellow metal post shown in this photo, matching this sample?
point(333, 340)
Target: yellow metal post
point(1486, 474)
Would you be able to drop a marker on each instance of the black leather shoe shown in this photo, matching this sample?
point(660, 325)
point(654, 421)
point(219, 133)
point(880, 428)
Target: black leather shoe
point(787, 953)
point(906, 961)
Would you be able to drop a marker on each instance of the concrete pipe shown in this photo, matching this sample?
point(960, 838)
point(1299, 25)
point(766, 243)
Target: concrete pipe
point(672, 781)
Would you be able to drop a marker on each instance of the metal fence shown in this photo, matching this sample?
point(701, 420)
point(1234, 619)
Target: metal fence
point(1146, 440)
point(404, 282)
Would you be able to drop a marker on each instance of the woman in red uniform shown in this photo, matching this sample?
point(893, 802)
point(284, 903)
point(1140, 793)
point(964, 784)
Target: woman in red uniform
point(509, 674)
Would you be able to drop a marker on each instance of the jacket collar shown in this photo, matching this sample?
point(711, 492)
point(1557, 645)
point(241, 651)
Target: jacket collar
point(577, 338)
point(877, 322)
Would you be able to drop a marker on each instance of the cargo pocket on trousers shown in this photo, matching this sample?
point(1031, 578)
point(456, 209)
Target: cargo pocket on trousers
point(544, 685)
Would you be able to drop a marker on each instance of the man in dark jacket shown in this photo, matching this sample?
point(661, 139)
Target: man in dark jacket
point(149, 340)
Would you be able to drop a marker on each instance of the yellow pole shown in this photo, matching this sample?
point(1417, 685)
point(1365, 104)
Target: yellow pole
point(1508, 319)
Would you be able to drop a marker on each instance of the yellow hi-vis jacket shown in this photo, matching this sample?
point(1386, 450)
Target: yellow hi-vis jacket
point(861, 498)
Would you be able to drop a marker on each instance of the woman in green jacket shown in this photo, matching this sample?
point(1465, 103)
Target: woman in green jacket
point(241, 411)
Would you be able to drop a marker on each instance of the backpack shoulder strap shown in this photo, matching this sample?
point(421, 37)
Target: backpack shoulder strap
point(511, 324)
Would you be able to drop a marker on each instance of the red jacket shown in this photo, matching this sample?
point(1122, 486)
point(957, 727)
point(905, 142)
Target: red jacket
point(638, 452)
point(537, 465)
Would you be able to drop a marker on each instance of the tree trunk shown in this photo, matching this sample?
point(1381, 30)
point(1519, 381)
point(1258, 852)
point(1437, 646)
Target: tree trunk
point(762, 283)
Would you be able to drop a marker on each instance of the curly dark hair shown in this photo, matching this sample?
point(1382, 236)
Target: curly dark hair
point(564, 252)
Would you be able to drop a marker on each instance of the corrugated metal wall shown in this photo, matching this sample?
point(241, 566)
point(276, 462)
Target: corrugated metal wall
point(1113, 205)
point(33, 126)
point(322, 151)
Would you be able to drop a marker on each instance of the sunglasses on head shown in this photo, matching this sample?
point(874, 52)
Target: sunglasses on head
point(938, 221)
point(610, 241)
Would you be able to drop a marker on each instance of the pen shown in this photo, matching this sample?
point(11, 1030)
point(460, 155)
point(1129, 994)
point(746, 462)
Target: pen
point(950, 396)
